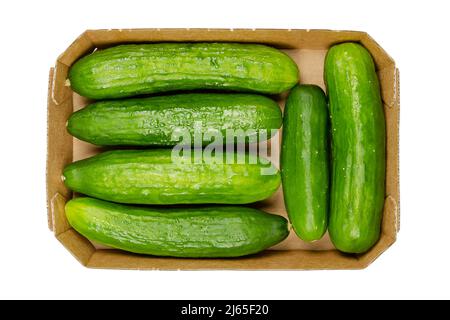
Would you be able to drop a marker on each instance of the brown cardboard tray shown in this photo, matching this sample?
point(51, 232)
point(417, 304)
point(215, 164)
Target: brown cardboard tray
point(308, 49)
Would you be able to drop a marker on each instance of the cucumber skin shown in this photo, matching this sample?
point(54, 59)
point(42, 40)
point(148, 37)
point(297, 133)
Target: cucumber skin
point(151, 177)
point(152, 121)
point(305, 161)
point(358, 148)
point(190, 232)
point(131, 69)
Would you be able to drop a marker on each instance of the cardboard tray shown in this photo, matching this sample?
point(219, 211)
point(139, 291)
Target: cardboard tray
point(308, 48)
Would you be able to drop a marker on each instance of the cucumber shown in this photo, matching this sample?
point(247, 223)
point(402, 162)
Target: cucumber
point(153, 177)
point(135, 69)
point(358, 148)
point(305, 161)
point(155, 120)
point(182, 232)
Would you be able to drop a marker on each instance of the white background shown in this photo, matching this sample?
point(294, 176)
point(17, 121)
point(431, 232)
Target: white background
point(34, 265)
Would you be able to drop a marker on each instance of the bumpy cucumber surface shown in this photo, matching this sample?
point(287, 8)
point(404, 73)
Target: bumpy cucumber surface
point(127, 70)
point(305, 161)
point(155, 177)
point(358, 148)
point(165, 120)
point(182, 232)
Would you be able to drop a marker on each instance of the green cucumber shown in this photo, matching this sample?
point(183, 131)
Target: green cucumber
point(155, 177)
point(156, 120)
point(135, 69)
point(358, 148)
point(181, 232)
point(305, 161)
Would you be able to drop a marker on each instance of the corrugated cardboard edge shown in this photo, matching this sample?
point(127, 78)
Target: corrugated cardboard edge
point(397, 106)
point(60, 107)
